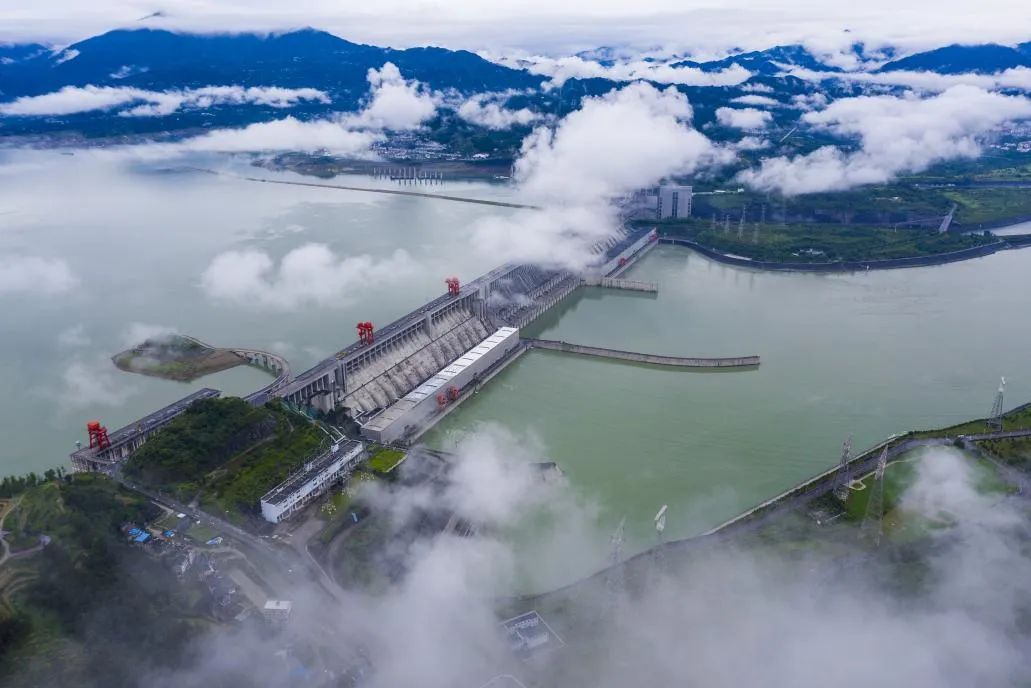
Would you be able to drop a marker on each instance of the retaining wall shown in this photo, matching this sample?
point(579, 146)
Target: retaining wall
point(676, 361)
point(844, 265)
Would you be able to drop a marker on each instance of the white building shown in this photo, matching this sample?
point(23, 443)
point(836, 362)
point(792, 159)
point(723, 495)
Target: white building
point(277, 612)
point(406, 416)
point(311, 481)
point(674, 202)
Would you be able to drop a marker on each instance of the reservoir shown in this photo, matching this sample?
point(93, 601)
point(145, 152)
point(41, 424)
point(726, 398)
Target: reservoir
point(867, 354)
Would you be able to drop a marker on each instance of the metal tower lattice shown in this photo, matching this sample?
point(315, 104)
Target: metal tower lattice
point(741, 224)
point(659, 552)
point(873, 520)
point(844, 477)
point(995, 419)
point(616, 580)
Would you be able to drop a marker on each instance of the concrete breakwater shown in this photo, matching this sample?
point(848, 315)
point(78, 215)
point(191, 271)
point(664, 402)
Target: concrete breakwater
point(626, 284)
point(635, 357)
point(847, 265)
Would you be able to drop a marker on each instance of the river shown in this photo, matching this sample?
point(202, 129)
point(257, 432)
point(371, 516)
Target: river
point(866, 354)
point(137, 235)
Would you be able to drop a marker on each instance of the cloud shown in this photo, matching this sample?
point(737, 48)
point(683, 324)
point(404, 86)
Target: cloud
point(75, 99)
point(625, 140)
point(288, 133)
point(36, 275)
point(74, 336)
point(562, 69)
point(1018, 78)
point(896, 135)
point(137, 333)
point(394, 104)
point(87, 383)
point(753, 99)
point(484, 110)
point(944, 606)
point(749, 119)
point(311, 274)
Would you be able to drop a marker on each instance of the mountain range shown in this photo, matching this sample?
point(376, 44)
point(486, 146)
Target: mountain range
point(159, 60)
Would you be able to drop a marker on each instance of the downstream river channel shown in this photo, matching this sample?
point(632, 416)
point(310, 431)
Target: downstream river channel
point(866, 354)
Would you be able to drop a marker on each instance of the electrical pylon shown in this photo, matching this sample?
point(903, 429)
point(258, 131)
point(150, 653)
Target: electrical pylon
point(659, 553)
point(616, 580)
point(873, 520)
point(995, 419)
point(844, 477)
point(741, 224)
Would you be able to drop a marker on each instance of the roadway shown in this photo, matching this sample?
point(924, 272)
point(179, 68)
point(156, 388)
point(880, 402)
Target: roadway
point(230, 530)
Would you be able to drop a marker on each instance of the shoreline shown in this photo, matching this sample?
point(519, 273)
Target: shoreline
point(1003, 244)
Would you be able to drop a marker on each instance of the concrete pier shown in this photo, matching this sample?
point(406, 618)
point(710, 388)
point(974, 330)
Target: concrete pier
point(628, 285)
point(635, 357)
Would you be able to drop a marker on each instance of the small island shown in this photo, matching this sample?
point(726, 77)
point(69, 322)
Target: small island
point(176, 357)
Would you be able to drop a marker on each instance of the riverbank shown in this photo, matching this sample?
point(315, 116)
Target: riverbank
point(1002, 244)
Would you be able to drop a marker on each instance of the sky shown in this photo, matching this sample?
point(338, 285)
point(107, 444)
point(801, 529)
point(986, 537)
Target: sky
point(698, 26)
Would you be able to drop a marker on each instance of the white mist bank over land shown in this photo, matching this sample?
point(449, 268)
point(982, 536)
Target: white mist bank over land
point(726, 617)
point(556, 28)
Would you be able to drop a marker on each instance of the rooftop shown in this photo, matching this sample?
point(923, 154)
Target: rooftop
point(439, 381)
point(283, 490)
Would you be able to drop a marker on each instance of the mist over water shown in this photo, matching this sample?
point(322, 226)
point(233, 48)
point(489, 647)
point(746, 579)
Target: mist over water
point(106, 247)
point(949, 608)
point(867, 354)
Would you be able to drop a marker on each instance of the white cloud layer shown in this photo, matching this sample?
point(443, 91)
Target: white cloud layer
point(1018, 78)
point(625, 140)
point(75, 99)
point(896, 135)
point(560, 70)
point(748, 119)
point(393, 104)
point(35, 275)
point(485, 110)
point(309, 275)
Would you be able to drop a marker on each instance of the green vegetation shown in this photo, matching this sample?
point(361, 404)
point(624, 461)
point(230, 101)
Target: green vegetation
point(175, 357)
point(385, 459)
point(87, 609)
point(229, 452)
point(1014, 451)
point(821, 243)
point(1018, 419)
point(200, 440)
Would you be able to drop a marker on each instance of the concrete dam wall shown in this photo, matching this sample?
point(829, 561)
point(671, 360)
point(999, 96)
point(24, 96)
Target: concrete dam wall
point(654, 359)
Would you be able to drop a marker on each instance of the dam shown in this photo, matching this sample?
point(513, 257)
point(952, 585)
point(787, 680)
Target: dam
point(387, 364)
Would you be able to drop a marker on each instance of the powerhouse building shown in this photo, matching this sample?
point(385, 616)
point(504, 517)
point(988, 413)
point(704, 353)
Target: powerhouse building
point(407, 415)
point(674, 202)
point(311, 481)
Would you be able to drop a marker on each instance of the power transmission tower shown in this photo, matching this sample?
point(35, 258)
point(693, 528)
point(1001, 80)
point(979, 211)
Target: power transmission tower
point(616, 580)
point(844, 477)
point(659, 553)
point(741, 224)
point(995, 419)
point(726, 223)
point(714, 221)
point(873, 520)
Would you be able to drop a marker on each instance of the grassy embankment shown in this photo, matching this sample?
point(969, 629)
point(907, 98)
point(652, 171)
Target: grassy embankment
point(227, 451)
point(820, 243)
point(87, 610)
